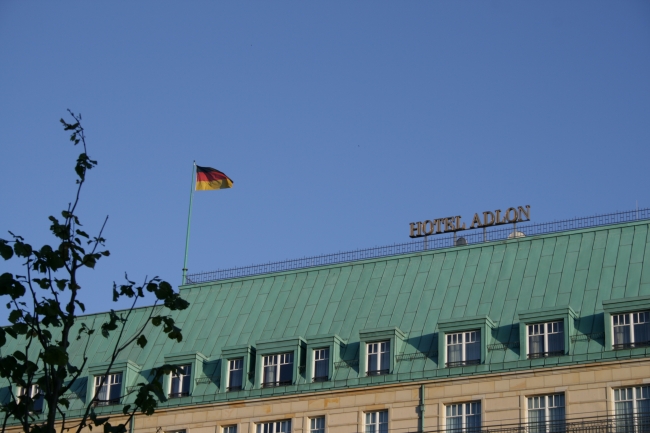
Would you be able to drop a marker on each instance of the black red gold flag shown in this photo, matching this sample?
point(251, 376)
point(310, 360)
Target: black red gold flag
point(208, 178)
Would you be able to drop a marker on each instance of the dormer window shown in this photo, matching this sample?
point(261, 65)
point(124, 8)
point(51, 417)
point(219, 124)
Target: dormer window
point(278, 360)
point(545, 339)
point(181, 381)
point(544, 332)
point(378, 358)
point(463, 348)
point(107, 389)
point(235, 374)
point(378, 348)
point(278, 370)
point(321, 365)
point(36, 395)
point(631, 330)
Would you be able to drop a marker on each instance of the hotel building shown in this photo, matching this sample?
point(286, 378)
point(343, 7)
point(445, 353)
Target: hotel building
point(547, 332)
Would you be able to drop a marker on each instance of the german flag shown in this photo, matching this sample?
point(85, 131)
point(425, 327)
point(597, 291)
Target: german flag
point(208, 178)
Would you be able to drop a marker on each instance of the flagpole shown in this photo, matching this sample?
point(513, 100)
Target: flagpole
point(189, 218)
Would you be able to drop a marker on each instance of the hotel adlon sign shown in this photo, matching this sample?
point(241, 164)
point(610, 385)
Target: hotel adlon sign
point(454, 223)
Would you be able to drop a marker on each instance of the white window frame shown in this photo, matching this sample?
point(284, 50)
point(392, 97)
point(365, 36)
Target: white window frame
point(315, 429)
point(279, 359)
point(632, 319)
point(183, 377)
point(549, 403)
point(234, 365)
point(378, 348)
point(110, 379)
point(464, 415)
point(321, 354)
point(35, 390)
point(376, 424)
point(452, 339)
point(542, 329)
point(229, 428)
point(282, 426)
point(637, 394)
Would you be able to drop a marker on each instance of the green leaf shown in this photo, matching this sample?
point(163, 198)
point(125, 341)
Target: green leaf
point(54, 355)
point(15, 315)
point(22, 249)
point(142, 341)
point(20, 328)
point(89, 260)
point(11, 286)
point(5, 250)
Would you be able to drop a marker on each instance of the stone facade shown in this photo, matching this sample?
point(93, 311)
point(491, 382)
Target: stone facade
point(587, 388)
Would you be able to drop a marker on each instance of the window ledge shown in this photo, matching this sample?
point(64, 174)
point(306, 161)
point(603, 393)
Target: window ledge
point(630, 345)
point(275, 384)
point(463, 363)
point(545, 354)
point(103, 403)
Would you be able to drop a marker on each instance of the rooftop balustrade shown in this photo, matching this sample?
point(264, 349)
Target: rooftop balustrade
point(457, 239)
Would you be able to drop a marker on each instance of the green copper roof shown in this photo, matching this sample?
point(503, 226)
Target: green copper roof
point(578, 269)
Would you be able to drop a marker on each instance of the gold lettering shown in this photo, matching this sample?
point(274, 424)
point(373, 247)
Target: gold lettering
point(449, 224)
point(497, 217)
point(428, 231)
point(485, 218)
point(475, 220)
point(437, 223)
point(458, 226)
point(507, 215)
point(523, 212)
point(416, 227)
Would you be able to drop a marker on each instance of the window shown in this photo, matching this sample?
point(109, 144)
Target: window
point(107, 389)
point(321, 365)
point(463, 348)
point(229, 429)
point(632, 408)
point(546, 414)
point(36, 396)
point(278, 370)
point(235, 374)
point(631, 329)
point(464, 417)
point(545, 339)
point(378, 358)
point(275, 427)
point(317, 425)
point(181, 380)
point(377, 422)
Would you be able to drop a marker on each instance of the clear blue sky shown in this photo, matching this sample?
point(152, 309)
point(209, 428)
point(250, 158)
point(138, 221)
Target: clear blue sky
point(339, 122)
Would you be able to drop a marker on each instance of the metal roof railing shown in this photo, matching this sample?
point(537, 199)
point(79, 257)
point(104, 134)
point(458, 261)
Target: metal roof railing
point(460, 238)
